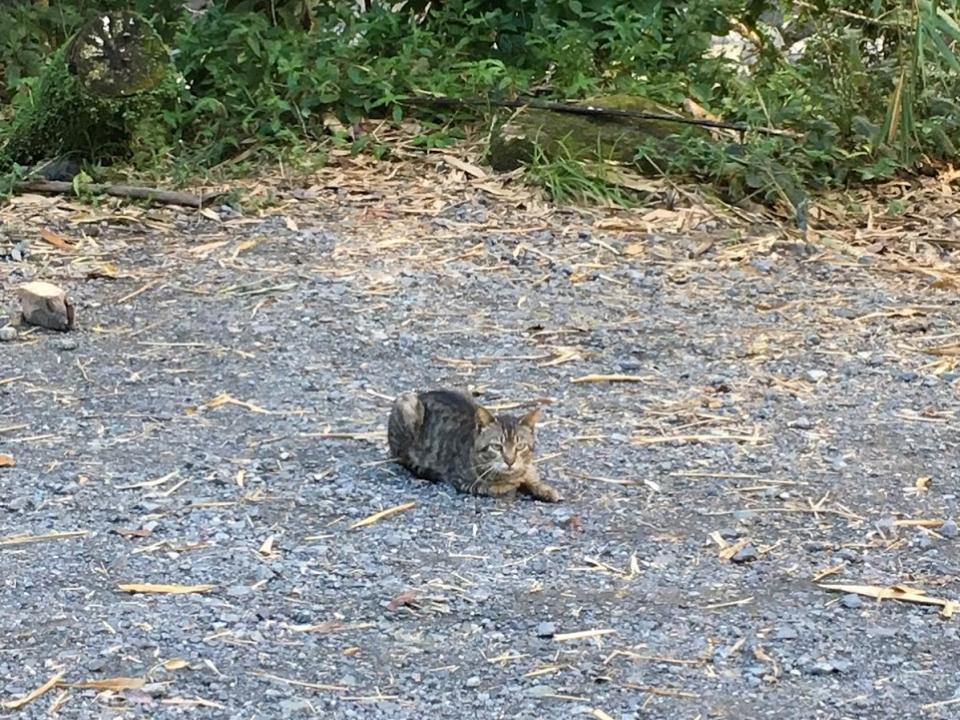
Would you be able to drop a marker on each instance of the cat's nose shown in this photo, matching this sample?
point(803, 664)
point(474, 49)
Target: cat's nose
point(509, 460)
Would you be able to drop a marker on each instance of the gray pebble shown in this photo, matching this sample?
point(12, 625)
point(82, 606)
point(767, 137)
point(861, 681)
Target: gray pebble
point(823, 668)
point(472, 682)
point(887, 526)
point(65, 344)
point(845, 313)
point(8, 333)
point(747, 553)
point(786, 632)
point(949, 529)
point(294, 707)
point(546, 629)
point(851, 556)
point(851, 601)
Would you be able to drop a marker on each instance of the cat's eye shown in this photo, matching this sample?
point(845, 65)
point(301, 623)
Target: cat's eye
point(522, 447)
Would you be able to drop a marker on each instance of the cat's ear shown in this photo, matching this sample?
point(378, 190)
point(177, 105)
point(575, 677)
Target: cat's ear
point(529, 420)
point(484, 417)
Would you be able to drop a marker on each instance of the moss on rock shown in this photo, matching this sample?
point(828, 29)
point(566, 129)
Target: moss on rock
point(96, 95)
point(579, 137)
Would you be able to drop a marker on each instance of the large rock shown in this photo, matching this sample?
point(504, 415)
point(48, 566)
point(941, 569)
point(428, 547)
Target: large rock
point(99, 95)
point(46, 305)
point(558, 135)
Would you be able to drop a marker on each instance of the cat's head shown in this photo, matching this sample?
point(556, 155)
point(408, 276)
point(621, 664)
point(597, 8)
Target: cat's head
point(504, 444)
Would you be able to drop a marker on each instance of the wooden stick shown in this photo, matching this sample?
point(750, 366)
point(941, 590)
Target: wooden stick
point(33, 694)
point(24, 539)
point(166, 197)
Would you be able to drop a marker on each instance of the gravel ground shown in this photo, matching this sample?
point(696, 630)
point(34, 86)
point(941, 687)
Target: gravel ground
point(224, 426)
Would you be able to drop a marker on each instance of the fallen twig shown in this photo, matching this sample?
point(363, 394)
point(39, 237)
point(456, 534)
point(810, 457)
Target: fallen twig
point(33, 694)
point(898, 592)
point(582, 634)
point(370, 520)
point(24, 539)
point(613, 378)
point(164, 589)
point(166, 197)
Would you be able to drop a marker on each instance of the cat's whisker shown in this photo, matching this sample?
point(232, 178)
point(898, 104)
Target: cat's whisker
point(483, 476)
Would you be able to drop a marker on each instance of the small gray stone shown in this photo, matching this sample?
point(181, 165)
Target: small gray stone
point(540, 691)
point(845, 313)
point(852, 601)
point(239, 590)
point(850, 555)
point(949, 529)
point(823, 668)
point(816, 376)
point(472, 682)
point(294, 707)
point(887, 526)
point(8, 333)
point(747, 553)
point(546, 629)
point(65, 344)
point(802, 423)
point(786, 632)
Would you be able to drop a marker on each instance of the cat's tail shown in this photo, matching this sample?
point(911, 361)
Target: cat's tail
point(406, 417)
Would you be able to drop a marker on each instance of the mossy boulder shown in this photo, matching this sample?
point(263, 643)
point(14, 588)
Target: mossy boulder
point(99, 94)
point(517, 140)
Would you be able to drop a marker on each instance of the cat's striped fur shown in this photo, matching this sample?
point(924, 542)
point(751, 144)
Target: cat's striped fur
point(445, 435)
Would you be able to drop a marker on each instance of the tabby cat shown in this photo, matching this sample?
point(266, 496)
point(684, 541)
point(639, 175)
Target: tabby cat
point(445, 435)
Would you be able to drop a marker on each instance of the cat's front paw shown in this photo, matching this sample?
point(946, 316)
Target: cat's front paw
point(546, 493)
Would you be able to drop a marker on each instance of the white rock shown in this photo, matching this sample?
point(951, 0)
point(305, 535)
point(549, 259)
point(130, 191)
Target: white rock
point(46, 305)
